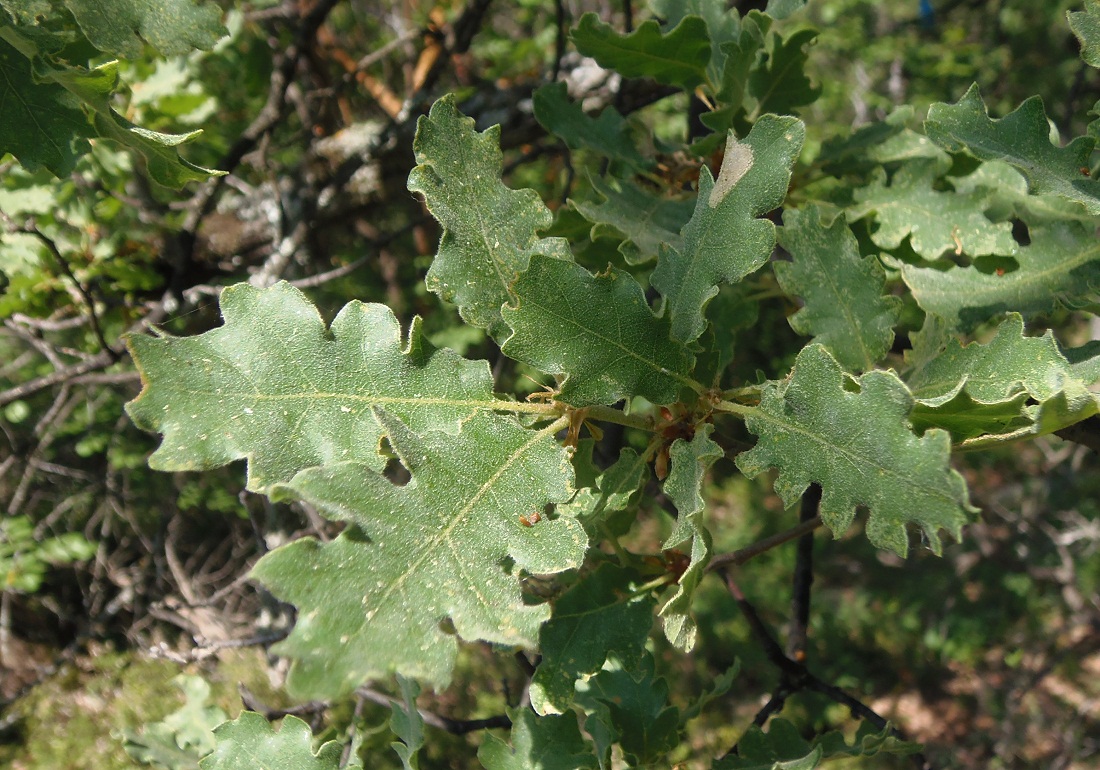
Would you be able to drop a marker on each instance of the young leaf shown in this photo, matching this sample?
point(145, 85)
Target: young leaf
point(1021, 138)
point(597, 617)
point(539, 743)
point(690, 462)
point(183, 737)
point(608, 135)
point(677, 58)
point(1061, 266)
point(724, 241)
point(596, 330)
point(936, 222)
point(408, 725)
point(858, 448)
point(844, 308)
point(489, 231)
point(1086, 26)
point(273, 385)
point(372, 601)
point(643, 219)
point(250, 742)
point(172, 27)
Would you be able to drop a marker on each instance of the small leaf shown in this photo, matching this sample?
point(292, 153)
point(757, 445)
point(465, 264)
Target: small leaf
point(724, 241)
point(596, 330)
point(936, 222)
point(172, 27)
point(1021, 138)
point(690, 462)
point(598, 617)
point(858, 448)
point(231, 394)
point(844, 307)
point(489, 231)
point(609, 135)
point(408, 725)
point(1086, 26)
point(644, 220)
point(371, 602)
point(677, 58)
point(539, 743)
point(250, 742)
point(1061, 266)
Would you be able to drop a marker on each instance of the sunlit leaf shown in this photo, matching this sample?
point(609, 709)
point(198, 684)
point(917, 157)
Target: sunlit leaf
point(170, 26)
point(1086, 26)
point(250, 742)
point(678, 57)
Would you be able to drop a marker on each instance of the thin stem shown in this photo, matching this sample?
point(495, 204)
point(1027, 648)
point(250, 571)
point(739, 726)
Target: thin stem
point(732, 407)
point(739, 557)
point(803, 578)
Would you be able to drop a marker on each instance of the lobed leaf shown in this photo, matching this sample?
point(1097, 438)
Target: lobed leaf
point(373, 601)
point(250, 742)
point(643, 219)
point(690, 462)
point(1060, 267)
point(858, 447)
point(489, 231)
point(844, 308)
point(935, 222)
point(1086, 26)
point(1021, 138)
point(172, 27)
point(609, 135)
point(408, 725)
point(274, 386)
point(677, 58)
point(779, 84)
point(600, 616)
point(724, 240)
point(539, 742)
point(782, 747)
point(598, 331)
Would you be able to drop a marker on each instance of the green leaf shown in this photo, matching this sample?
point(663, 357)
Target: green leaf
point(172, 27)
point(605, 505)
point(371, 602)
point(1005, 190)
point(539, 743)
point(779, 84)
point(632, 705)
point(858, 448)
point(183, 737)
point(1061, 266)
point(41, 124)
point(609, 135)
point(489, 231)
point(844, 308)
point(677, 58)
point(781, 9)
point(935, 222)
point(250, 742)
point(598, 331)
point(1021, 138)
point(644, 220)
point(1086, 26)
point(884, 142)
point(782, 747)
point(690, 462)
point(598, 617)
point(719, 687)
point(724, 25)
point(408, 725)
point(306, 400)
point(724, 241)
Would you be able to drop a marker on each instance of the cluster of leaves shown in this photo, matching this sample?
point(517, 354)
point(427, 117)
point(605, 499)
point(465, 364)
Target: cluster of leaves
point(635, 301)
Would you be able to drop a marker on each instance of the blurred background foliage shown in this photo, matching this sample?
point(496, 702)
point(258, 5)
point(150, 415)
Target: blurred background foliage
point(991, 654)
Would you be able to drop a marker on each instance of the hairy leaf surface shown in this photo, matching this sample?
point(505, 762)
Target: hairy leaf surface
point(690, 462)
point(858, 447)
point(598, 617)
point(489, 230)
point(1086, 26)
point(844, 306)
point(1021, 138)
point(936, 222)
point(250, 742)
point(274, 386)
point(724, 241)
point(171, 26)
point(1061, 266)
point(371, 601)
point(408, 725)
point(678, 57)
point(598, 331)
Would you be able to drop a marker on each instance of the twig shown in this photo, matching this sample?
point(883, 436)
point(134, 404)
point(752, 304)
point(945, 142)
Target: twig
point(453, 726)
point(740, 556)
point(803, 578)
